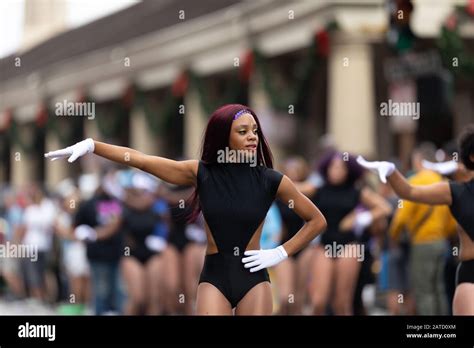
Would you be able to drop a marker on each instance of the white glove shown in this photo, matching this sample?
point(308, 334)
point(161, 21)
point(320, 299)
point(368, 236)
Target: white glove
point(155, 243)
point(195, 233)
point(384, 169)
point(316, 180)
point(316, 240)
point(362, 220)
point(444, 168)
point(85, 233)
point(75, 151)
point(260, 259)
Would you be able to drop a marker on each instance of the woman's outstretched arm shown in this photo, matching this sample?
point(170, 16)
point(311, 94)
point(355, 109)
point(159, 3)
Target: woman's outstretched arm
point(174, 172)
point(377, 207)
point(438, 193)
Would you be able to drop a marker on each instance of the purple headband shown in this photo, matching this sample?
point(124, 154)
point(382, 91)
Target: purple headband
point(240, 113)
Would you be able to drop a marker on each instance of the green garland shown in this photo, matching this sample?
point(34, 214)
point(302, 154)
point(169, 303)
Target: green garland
point(110, 117)
point(292, 95)
point(451, 46)
point(296, 95)
point(25, 146)
point(230, 95)
point(158, 119)
point(65, 135)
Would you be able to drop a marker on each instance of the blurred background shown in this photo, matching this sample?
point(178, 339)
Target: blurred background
point(147, 74)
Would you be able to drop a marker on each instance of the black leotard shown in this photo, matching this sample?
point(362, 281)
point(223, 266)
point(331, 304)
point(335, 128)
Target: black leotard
point(462, 195)
point(335, 202)
point(139, 224)
point(462, 205)
point(234, 198)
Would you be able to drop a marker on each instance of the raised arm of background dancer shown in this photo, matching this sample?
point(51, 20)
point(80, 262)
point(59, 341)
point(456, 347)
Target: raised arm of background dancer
point(306, 187)
point(376, 204)
point(310, 185)
point(174, 172)
point(304, 208)
point(108, 230)
point(438, 193)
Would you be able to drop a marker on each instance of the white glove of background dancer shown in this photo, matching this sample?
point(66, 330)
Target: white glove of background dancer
point(362, 221)
point(444, 168)
point(384, 169)
point(260, 259)
point(75, 151)
point(85, 233)
point(155, 243)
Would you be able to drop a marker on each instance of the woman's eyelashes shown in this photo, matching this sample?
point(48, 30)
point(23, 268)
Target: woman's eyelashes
point(243, 131)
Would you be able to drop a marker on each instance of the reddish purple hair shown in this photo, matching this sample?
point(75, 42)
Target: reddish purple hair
point(216, 138)
point(354, 170)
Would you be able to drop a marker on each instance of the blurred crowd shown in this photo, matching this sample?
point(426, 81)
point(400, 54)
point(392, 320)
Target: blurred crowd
point(121, 243)
point(118, 243)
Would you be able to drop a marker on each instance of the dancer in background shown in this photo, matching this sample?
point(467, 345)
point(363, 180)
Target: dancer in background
point(145, 224)
point(338, 257)
point(184, 254)
point(459, 196)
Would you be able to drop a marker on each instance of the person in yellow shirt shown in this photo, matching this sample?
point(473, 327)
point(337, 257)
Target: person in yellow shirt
point(428, 227)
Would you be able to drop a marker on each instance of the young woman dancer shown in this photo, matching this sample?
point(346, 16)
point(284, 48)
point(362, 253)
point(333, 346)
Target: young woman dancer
point(234, 197)
point(335, 273)
point(460, 198)
point(145, 226)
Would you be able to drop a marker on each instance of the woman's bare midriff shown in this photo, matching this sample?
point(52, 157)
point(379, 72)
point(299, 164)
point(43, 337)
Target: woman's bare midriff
point(254, 243)
point(466, 246)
